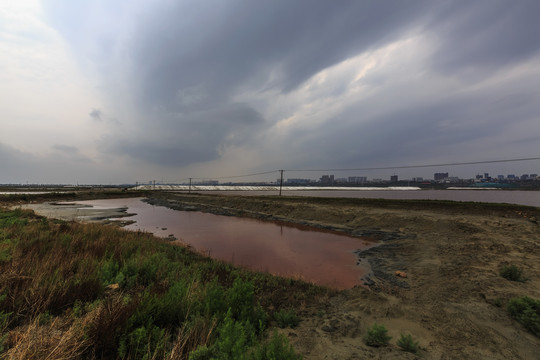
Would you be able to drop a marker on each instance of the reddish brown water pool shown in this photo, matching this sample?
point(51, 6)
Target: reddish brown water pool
point(324, 258)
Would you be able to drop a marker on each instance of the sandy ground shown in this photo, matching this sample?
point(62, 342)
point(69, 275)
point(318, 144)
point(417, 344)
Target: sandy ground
point(453, 300)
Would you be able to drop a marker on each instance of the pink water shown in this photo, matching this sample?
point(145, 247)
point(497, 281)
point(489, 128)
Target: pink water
point(324, 258)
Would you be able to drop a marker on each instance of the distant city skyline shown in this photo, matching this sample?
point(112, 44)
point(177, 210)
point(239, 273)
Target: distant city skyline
point(343, 176)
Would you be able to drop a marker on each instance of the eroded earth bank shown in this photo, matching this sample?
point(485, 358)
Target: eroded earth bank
point(453, 300)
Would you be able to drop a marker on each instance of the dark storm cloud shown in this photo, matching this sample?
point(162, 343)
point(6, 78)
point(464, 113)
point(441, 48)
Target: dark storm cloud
point(189, 138)
point(277, 44)
point(189, 61)
point(485, 35)
point(445, 128)
point(186, 62)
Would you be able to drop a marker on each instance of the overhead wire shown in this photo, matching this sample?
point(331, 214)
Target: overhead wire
point(418, 166)
point(363, 168)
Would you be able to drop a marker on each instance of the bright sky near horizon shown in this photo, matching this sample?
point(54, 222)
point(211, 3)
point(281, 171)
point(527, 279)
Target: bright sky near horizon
point(111, 91)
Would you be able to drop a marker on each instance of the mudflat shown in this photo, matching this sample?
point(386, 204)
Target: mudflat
point(453, 299)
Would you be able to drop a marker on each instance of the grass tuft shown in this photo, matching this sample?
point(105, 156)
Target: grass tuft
point(527, 312)
point(512, 273)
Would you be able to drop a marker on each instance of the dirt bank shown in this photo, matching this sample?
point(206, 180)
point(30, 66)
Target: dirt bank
point(453, 299)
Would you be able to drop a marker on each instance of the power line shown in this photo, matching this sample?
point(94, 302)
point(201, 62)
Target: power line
point(237, 176)
point(419, 166)
point(365, 168)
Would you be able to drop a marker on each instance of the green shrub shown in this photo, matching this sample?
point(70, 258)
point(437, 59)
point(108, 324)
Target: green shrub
point(240, 298)
point(377, 336)
point(108, 271)
point(144, 343)
point(286, 318)
point(233, 339)
point(6, 249)
point(512, 273)
point(277, 348)
point(203, 352)
point(241, 301)
point(15, 217)
point(166, 310)
point(407, 343)
point(214, 302)
point(527, 312)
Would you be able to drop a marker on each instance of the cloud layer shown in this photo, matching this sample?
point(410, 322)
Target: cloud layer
point(222, 88)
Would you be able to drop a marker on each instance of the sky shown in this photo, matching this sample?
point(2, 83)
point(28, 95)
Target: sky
point(113, 91)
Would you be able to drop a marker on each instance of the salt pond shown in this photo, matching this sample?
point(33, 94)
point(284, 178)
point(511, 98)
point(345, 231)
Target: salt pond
point(324, 258)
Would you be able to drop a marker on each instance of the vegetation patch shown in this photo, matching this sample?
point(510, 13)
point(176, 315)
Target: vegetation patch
point(107, 293)
point(527, 312)
point(512, 273)
point(286, 318)
point(407, 343)
point(377, 336)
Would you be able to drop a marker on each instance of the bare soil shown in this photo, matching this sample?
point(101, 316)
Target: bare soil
point(453, 300)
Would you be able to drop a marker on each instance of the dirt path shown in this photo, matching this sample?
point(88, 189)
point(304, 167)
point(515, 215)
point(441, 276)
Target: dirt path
point(453, 300)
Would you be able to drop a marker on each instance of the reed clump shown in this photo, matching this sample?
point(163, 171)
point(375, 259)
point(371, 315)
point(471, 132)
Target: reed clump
point(71, 290)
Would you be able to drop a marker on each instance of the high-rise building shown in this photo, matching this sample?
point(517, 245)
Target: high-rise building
point(440, 176)
point(357, 179)
point(327, 179)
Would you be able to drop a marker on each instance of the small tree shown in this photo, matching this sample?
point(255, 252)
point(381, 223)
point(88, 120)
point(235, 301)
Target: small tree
point(407, 343)
point(377, 336)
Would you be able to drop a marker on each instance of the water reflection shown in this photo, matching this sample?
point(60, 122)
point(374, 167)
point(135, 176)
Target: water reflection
point(324, 258)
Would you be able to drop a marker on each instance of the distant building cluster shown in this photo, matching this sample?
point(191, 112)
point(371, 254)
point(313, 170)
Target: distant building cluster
point(485, 177)
point(438, 178)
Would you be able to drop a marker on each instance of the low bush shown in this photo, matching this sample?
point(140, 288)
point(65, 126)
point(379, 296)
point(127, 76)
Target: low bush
point(377, 335)
point(407, 343)
point(277, 348)
point(512, 273)
point(527, 312)
point(286, 318)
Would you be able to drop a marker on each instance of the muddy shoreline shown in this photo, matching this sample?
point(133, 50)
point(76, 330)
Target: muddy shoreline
point(453, 300)
point(376, 234)
point(373, 256)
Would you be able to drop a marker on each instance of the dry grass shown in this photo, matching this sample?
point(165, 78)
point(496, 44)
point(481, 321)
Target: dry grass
point(59, 340)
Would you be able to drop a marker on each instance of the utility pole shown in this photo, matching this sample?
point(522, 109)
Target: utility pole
point(281, 182)
point(189, 192)
point(154, 184)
